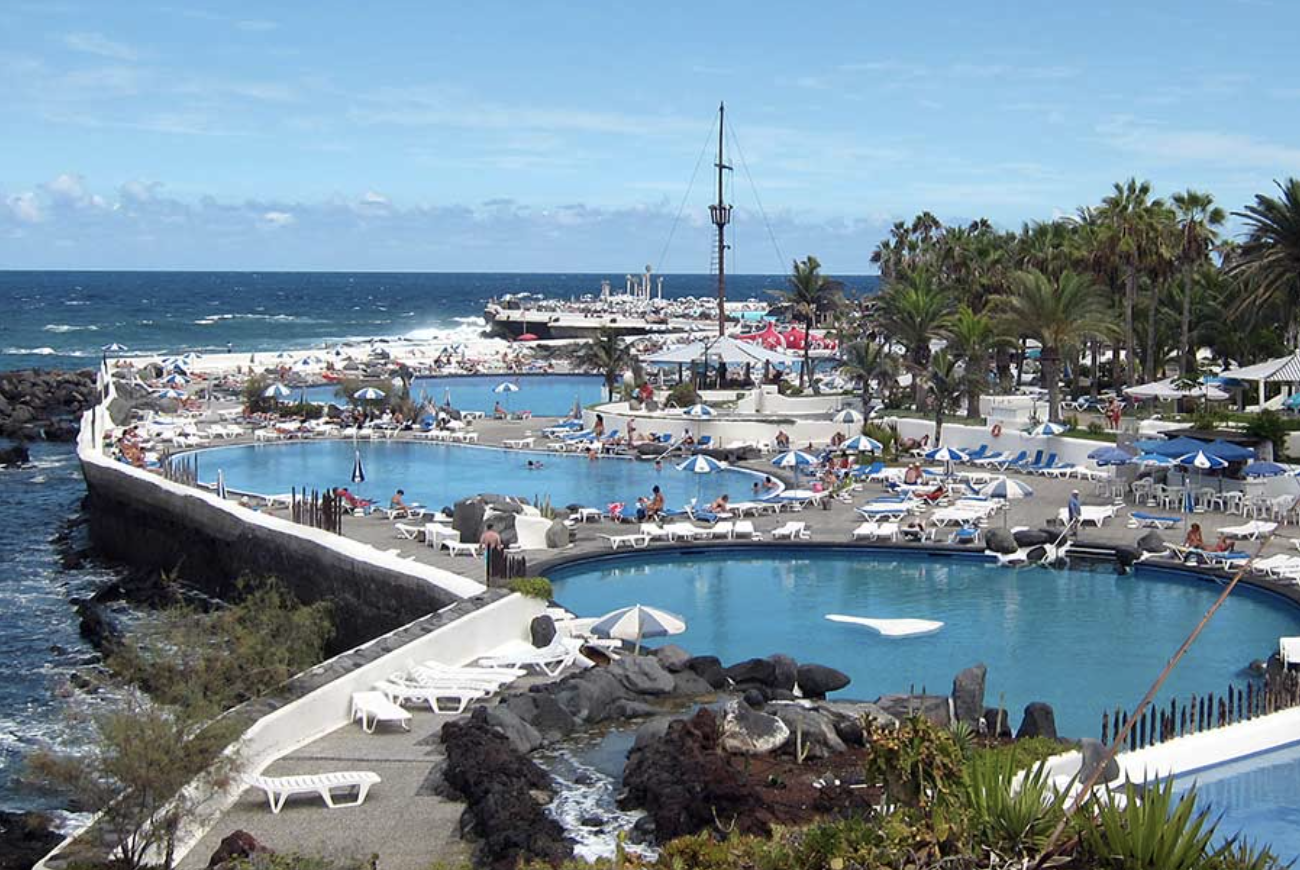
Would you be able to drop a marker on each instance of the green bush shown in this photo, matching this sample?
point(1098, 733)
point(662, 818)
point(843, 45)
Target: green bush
point(1095, 428)
point(1269, 426)
point(533, 587)
point(1010, 822)
point(1022, 754)
point(682, 396)
point(1150, 830)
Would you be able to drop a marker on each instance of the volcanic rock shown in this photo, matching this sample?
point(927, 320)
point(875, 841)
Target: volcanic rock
point(761, 671)
point(746, 731)
point(968, 694)
point(710, 668)
point(235, 848)
point(542, 631)
point(811, 729)
point(1000, 541)
point(816, 681)
point(642, 675)
point(1039, 721)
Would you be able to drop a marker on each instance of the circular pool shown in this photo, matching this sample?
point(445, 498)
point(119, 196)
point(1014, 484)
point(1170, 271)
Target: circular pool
point(1084, 641)
point(543, 395)
point(439, 474)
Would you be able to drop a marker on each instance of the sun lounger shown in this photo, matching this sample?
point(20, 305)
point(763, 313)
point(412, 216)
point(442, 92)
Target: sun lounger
point(723, 529)
point(877, 511)
point(409, 512)
point(1152, 521)
point(409, 533)
point(793, 531)
point(1251, 530)
point(371, 708)
point(588, 514)
point(872, 531)
point(634, 540)
point(686, 531)
point(278, 789)
point(1091, 514)
point(434, 694)
point(456, 548)
point(957, 516)
point(1014, 462)
point(745, 529)
point(990, 458)
point(436, 672)
point(550, 659)
point(964, 535)
point(517, 443)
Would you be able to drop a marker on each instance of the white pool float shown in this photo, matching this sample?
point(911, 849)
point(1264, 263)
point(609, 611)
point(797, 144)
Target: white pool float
point(890, 627)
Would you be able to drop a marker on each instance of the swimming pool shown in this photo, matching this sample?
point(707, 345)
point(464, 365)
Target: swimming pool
point(1257, 797)
point(439, 474)
point(1083, 641)
point(543, 395)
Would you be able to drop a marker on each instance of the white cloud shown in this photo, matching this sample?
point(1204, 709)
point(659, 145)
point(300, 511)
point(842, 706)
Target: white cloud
point(278, 218)
point(99, 44)
point(25, 207)
point(69, 189)
point(1197, 146)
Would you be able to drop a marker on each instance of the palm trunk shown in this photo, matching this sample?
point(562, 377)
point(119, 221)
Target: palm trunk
point(1187, 363)
point(1020, 363)
point(1130, 297)
point(938, 423)
point(1150, 370)
point(1002, 362)
point(1049, 359)
point(1094, 379)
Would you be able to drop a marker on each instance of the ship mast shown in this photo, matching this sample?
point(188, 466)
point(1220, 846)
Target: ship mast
point(720, 213)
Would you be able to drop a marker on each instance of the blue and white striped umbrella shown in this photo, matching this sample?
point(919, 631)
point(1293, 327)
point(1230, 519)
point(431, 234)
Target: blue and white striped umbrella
point(794, 459)
point(1110, 455)
point(1047, 430)
point(506, 387)
point(945, 454)
point(701, 464)
point(277, 391)
point(221, 484)
point(698, 410)
point(113, 348)
point(190, 358)
point(358, 473)
point(862, 444)
point(638, 622)
point(1202, 460)
point(176, 379)
point(848, 415)
point(368, 394)
point(1006, 489)
point(170, 393)
point(1149, 460)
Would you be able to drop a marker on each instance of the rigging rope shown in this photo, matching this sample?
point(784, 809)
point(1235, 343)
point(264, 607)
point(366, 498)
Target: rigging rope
point(663, 255)
point(735, 142)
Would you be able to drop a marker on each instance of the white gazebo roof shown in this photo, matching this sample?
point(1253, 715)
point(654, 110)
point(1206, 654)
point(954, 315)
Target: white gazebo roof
point(726, 348)
point(1167, 389)
point(1284, 369)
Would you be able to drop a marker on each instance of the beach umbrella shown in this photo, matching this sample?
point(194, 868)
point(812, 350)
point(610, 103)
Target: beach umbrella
point(1202, 461)
point(1263, 468)
point(118, 348)
point(368, 394)
point(862, 444)
point(176, 379)
point(170, 393)
point(795, 459)
point(945, 454)
point(190, 358)
point(277, 391)
point(1151, 460)
point(506, 388)
point(848, 415)
point(1006, 489)
point(1047, 430)
point(221, 484)
point(698, 410)
point(1110, 455)
point(358, 473)
point(701, 464)
point(527, 336)
point(637, 623)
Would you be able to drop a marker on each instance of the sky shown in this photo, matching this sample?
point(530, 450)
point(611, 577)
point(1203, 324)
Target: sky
point(549, 136)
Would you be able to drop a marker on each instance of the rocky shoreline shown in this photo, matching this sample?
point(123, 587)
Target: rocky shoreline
point(43, 405)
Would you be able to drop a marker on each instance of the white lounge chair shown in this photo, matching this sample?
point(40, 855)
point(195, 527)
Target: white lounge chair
point(278, 789)
point(634, 540)
point(686, 531)
point(873, 531)
point(655, 532)
point(745, 529)
point(372, 707)
point(434, 694)
point(409, 533)
point(432, 671)
point(792, 530)
point(1251, 530)
point(550, 659)
point(723, 529)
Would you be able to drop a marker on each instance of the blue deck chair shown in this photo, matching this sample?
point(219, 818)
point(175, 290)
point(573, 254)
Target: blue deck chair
point(1015, 460)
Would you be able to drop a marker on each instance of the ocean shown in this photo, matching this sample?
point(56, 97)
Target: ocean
point(60, 320)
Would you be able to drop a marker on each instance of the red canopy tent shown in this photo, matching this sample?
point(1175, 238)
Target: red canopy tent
point(796, 337)
point(768, 338)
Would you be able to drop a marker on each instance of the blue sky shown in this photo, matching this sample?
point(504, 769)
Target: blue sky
point(561, 136)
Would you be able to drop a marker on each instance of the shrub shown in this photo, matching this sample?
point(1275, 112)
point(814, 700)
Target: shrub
point(682, 396)
point(1150, 830)
point(1269, 426)
point(1010, 822)
point(533, 587)
point(918, 763)
point(1095, 428)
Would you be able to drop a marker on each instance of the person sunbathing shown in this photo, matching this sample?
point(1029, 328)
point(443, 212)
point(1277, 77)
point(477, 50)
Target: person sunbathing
point(398, 501)
point(721, 504)
point(1223, 545)
point(1194, 539)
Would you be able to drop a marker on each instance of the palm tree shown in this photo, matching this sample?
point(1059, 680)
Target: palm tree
point(972, 337)
point(943, 383)
point(1135, 223)
point(1270, 257)
point(605, 353)
point(1060, 314)
point(868, 362)
point(914, 311)
point(810, 295)
point(1198, 222)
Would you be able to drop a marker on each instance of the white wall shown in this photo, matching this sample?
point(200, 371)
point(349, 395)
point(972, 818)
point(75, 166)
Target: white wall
point(966, 437)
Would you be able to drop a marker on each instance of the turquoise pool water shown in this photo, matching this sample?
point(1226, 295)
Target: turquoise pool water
point(544, 395)
point(439, 474)
point(1083, 641)
point(1257, 797)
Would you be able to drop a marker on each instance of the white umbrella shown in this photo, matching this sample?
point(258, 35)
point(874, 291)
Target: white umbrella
point(507, 388)
point(1006, 489)
point(1201, 461)
point(638, 622)
point(176, 379)
point(113, 348)
point(848, 415)
point(368, 394)
point(946, 454)
point(698, 410)
point(701, 464)
point(169, 393)
point(277, 391)
point(794, 459)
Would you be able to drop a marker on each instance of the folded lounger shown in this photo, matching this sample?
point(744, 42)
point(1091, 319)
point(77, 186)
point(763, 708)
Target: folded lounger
point(435, 694)
point(792, 530)
point(1251, 530)
point(1154, 521)
point(279, 788)
point(372, 707)
point(550, 659)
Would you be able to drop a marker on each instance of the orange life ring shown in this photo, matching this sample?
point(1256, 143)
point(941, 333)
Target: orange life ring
point(997, 429)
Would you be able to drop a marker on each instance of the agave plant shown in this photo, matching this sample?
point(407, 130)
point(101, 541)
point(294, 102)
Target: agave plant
point(1152, 829)
point(1006, 816)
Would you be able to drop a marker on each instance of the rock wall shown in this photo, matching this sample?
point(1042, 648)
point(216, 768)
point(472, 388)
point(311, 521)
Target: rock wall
point(37, 404)
point(146, 525)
